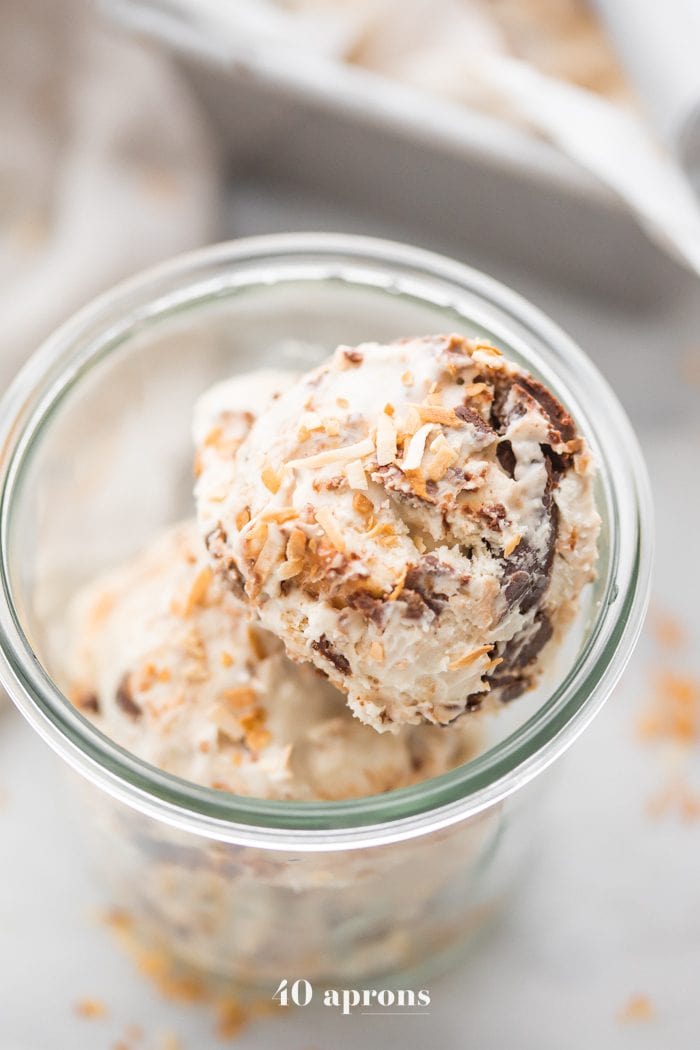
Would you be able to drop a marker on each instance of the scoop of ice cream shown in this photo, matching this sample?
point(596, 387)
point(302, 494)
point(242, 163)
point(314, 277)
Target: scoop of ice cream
point(416, 519)
point(164, 661)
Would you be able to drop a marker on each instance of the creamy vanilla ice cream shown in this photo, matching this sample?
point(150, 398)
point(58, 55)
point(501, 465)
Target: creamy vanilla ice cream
point(416, 519)
point(164, 661)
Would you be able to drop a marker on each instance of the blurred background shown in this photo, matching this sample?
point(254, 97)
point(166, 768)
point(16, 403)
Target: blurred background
point(552, 143)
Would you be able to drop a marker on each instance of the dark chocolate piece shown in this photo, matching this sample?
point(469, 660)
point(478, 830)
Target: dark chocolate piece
point(324, 647)
point(125, 698)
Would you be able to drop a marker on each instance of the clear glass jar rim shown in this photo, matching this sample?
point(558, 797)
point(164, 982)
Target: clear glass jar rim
point(100, 328)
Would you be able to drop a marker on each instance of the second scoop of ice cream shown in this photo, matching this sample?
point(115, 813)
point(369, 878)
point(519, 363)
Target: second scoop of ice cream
point(163, 659)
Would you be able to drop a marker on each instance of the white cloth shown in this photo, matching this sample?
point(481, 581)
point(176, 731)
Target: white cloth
point(106, 166)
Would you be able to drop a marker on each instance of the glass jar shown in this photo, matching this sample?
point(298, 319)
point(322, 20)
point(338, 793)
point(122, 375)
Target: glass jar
point(95, 458)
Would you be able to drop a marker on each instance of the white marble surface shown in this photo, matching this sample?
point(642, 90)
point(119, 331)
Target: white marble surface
point(610, 908)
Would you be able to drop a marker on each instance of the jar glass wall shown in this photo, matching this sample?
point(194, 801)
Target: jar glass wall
point(96, 458)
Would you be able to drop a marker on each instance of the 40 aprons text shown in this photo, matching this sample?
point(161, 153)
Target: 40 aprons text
point(300, 992)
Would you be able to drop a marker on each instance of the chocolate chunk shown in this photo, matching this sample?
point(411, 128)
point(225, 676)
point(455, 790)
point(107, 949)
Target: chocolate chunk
point(562, 426)
point(517, 582)
point(510, 687)
point(524, 559)
point(470, 415)
point(421, 579)
point(531, 647)
point(558, 464)
point(414, 606)
point(88, 702)
point(474, 702)
point(513, 675)
point(353, 356)
point(493, 514)
point(506, 457)
point(125, 698)
point(372, 608)
point(324, 647)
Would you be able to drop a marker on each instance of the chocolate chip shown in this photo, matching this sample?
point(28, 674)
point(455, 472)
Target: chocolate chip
point(470, 415)
point(492, 514)
point(324, 647)
point(559, 464)
point(517, 583)
point(414, 606)
point(513, 675)
point(511, 687)
point(125, 698)
point(562, 426)
point(88, 702)
point(435, 601)
point(371, 607)
point(506, 457)
point(474, 702)
point(420, 579)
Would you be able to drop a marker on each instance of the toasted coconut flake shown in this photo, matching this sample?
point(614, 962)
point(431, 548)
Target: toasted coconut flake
point(240, 696)
point(389, 409)
point(582, 463)
point(296, 544)
point(417, 480)
point(443, 458)
point(255, 540)
point(477, 389)
point(267, 557)
point(488, 348)
point(376, 651)
point(328, 522)
point(355, 473)
point(407, 378)
point(416, 449)
point(270, 478)
point(225, 658)
point(399, 586)
point(311, 421)
point(256, 736)
point(362, 504)
point(257, 643)
point(512, 544)
point(384, 532)
point(92, 1009)
point(386, 440)
point(446, 417)
point(332, 427)
point(242, 518)
point(342, 402)
point(226, 722)
point(198, 590)
point(213, 437)
point(217, 495)
point(280, 515)
point(334, 455)
point(289, 569)
point(469, 658)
